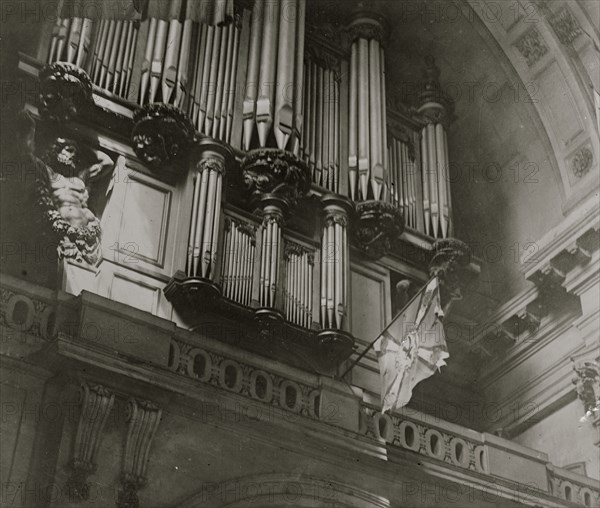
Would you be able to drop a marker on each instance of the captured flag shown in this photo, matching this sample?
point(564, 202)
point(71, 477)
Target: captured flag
point(411, 348)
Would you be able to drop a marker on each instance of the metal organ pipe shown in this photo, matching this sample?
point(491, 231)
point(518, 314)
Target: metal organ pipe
point(334, 263)
point(368, 176)
point(273, 97)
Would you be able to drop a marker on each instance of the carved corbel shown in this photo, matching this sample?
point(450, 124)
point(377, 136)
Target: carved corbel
point(270, 172)
point(377, 226)
point(65, 92)
point(450, 263)
point(143, 417)
point(162, 134)
point(96, 404)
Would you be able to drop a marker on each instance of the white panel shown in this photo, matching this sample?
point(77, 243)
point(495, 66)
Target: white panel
point(368, 306)
point(134, 293)
point(144, 222)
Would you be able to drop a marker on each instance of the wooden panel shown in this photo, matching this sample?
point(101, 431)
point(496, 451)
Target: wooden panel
point(369, 301)
point(137, 293)
point(144, 223)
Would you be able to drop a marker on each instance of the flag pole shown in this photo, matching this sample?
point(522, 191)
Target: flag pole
point(370, 346)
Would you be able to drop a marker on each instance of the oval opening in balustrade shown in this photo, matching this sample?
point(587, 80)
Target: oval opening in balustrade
point(171, 355)
point(384, 427)
point(20, 312)
point(587, 499)
point(199, 366)
point(409, 436)
point(291, 397)
point(260, 387)
point(480, 459)
point(231, 377)
point(316, 405)
point(48, 324)
point(435, 444)
point(567, 493)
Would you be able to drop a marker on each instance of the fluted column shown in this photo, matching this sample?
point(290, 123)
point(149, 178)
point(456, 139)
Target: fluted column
point(335, 263)
point(435, 109)
point(206, 210)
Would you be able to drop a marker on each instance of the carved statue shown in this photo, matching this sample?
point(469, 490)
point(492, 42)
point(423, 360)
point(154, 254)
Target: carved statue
point(64, 174)
point(587, 385)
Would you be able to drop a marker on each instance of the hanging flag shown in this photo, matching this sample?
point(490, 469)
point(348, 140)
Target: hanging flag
point(411, 348)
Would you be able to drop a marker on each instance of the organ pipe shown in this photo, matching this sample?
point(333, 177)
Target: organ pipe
point(270, 255)
point(239, 250)
point(299, 266)
point(367, 140)
point(437, 201)
point(273, 102)
point(334, 264)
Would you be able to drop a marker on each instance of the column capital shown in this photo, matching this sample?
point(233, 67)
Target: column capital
point(435, 105)
point(366, 24)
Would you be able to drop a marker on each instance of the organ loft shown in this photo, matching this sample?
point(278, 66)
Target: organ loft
point(235, 197)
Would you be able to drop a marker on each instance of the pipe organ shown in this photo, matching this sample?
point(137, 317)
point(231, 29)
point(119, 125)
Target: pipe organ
point(335, 264)
point(367, 112)
point(239, 253)
point(272, 107)
point(206, 214)
point(298, 288)
point(403, 172)
point(437, 203)
point(297, 114)
point(321, 132)
point(270, 259)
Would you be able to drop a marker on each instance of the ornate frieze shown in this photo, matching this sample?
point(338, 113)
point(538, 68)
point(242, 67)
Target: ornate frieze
point(161, 134)
point(23, 317)
point(532, 46)
point(246, 380)
point(143, 419)
point(423, 439)
point(65, 92)
point(96, 404)
point(565, 26)
point(377, 226)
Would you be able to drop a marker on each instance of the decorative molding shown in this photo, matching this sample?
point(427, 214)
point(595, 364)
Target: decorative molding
point(224, 373)
point(450, 263)
point(565, 26)
point(568, 486)
point(96, 404)
point(426, 440)
point(144, 418)
point(532, 46)
point(65, 92)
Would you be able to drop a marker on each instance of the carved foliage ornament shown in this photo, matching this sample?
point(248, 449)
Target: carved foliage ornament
point(565, 26)
point(532, 46)
point(450, 259)
point(65, 91)
point(161, 134)
point(582, 162)
point(271, 171)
